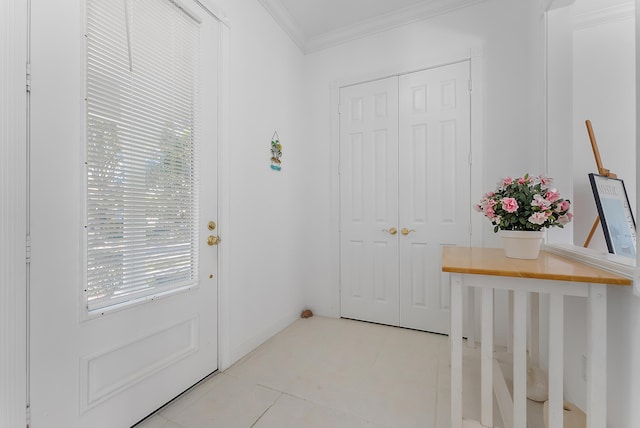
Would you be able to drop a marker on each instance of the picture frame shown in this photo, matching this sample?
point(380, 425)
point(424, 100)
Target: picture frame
point(615, 213)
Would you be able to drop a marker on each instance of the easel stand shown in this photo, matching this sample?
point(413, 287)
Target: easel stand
point(601, 170)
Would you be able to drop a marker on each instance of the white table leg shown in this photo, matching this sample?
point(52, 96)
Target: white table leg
point(556, 359)
point(486, 350)
point(597, 351)
point(455, 338)
point(520, 359)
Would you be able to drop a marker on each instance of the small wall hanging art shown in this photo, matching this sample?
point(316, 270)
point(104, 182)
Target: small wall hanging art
point(276, 152)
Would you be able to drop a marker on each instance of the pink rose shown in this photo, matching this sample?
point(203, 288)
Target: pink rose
point(563, 206)
point(510, 205)
point(564, 219)
point(552, 195)
point(538, 218)
point(489, 212)
point(545, 181)
point(478, 208)
point(523, 180)
point(539, 201)
point(507, 181)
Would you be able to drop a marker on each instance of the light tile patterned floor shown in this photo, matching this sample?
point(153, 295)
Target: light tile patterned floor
point(328, 373)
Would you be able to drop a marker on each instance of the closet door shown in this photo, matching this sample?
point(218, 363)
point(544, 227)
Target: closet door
point(369, 201)
point(404, 193)
point(434, 199)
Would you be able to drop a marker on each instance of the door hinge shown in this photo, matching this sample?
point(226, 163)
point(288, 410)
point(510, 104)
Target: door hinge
point(470, 86)
point(28, 415)
point(470, 159)
point(28, 77)
point(28, 249)
point(339, 109)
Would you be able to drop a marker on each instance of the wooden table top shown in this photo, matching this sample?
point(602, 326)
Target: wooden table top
point(492, 261)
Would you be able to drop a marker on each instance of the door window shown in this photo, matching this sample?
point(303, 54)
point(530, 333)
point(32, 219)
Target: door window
point(141, 185)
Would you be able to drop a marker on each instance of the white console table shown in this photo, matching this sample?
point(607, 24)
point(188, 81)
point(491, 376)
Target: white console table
point(489, 270)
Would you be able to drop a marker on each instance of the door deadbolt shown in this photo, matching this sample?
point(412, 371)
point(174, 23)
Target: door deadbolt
point(211, 225)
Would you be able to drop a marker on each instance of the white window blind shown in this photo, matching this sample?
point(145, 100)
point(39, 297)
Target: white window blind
point(141, 199)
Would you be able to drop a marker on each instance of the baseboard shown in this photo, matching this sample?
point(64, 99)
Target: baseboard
point(259, 338)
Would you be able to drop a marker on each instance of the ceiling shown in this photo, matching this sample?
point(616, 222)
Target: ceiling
point(317, 24)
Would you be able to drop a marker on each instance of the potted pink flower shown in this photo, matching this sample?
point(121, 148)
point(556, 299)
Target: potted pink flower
point(525, 204)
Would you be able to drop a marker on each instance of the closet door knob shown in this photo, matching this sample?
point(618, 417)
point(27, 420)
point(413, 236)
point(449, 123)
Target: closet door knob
point(391, 231)
point(406, 231)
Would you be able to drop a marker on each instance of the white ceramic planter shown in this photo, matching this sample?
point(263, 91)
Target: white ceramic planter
point(521, 244)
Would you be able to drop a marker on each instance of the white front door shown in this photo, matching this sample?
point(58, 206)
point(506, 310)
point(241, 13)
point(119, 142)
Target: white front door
point(109, 367)
point(435, 184)
point(369, 201)
point(404, 192)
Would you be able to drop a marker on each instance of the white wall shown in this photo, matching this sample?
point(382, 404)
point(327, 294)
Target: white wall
point(511, 37)
point(262, 234)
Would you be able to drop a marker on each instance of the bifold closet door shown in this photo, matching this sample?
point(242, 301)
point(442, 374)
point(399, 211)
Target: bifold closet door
point(369, 201)
point(404, 192)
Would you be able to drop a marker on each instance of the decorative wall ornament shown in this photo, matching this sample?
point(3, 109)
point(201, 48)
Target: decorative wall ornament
point(276, 152)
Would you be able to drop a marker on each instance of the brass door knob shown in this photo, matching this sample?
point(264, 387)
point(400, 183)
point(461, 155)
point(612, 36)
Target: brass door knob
point(213, 240)
point(406, 231)
point(391, 231)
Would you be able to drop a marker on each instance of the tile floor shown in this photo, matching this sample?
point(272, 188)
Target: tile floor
point(329, 373)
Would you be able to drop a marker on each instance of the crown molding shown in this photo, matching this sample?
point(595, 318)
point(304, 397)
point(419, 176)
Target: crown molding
point(387, 21)
point(210, 7)
point(286, 21)
point(364, 28)
point(605, 16)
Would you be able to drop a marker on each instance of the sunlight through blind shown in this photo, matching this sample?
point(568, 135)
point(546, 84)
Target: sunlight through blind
point(141, 199)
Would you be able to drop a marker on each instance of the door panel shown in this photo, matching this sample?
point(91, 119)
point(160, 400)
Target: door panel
point(111, 369)
point(434, 197)
point(369, 201)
